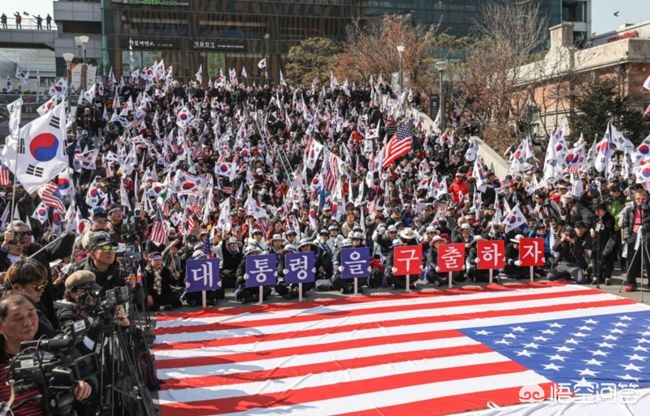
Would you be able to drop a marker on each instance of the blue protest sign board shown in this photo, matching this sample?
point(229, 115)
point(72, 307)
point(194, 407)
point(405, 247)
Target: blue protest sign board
point(300, 267)
point(355, 262)
point(261, 270)
point(202, 275)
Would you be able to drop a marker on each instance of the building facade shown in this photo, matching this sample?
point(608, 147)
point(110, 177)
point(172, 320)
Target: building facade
point(128, 34)
point(622, 56)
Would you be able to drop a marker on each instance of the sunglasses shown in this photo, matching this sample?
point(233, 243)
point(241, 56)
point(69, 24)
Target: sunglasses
point(38, 287)
point(21, 233)
point(108, 248)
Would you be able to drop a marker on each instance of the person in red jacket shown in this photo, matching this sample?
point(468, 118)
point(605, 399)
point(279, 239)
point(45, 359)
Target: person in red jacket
point(458, 189)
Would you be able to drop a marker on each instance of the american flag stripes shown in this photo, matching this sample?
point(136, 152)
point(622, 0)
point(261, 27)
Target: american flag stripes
point(400, 144)
point(412, 354)
point(158, 229)
point(331, 171)
point(5, 179)
point(49, 194)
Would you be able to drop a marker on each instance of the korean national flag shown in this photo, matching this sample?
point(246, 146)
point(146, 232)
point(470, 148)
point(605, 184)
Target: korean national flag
point(184, 118)
point(38, 154)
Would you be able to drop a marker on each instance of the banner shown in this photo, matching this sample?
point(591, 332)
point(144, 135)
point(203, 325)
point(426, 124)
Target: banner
point(299, 267)
point(407, 260)
point(451, 257)
point(202, 275)
point(490, 254)
point(261, 270)
point(355, 262)
point(531, 252)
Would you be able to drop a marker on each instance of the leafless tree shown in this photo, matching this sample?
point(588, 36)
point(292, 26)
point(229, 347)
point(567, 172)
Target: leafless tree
point(510, 36)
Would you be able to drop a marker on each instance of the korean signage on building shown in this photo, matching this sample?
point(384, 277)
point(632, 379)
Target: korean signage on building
point(218, 45)
point(149, 43)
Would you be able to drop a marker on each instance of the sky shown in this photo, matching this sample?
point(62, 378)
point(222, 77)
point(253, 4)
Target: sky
point(603, 19)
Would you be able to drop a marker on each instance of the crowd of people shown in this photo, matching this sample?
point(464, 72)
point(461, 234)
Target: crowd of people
point(162, 172)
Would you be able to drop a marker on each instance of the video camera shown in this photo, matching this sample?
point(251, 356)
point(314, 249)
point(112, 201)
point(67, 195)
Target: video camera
point(132, 227)
point(97, 303)
point(48, 366)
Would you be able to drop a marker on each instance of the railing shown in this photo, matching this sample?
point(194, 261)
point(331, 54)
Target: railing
point(27, 23)
point(30, 101)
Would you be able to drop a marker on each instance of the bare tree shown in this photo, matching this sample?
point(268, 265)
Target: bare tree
point(372, 50)
point(489, 80)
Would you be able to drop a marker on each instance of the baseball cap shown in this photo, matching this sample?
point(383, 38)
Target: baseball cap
point(99, 239)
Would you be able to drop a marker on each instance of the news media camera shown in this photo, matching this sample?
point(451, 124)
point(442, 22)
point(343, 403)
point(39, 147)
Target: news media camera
point(49, 367)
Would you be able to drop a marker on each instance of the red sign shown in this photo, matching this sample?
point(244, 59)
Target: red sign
point(531, 251)
point(407, 260)
point(451, 257)
point(491, 254)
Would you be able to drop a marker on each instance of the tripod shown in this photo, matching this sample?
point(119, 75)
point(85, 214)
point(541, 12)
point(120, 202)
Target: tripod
point(117, 358)
point(641, 247)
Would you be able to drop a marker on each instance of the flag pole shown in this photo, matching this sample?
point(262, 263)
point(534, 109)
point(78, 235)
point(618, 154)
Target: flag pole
point(13, 187)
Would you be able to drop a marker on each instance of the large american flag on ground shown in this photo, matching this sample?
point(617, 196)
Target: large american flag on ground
point(410, 354)
point(399, 145)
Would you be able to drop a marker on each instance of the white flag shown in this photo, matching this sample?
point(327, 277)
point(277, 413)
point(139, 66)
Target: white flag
point(124, 196)
point(40, 213)
point(184, 118)
point(226, 169)
point(90, 94)
point(15, 109)
point(262, 64)
point(514, 218)
point(38, 154)
point(199, 74)
point(646, 84)
point(243, 72)
point(46, 106)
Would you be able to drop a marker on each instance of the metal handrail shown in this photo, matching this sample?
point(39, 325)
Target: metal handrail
point(28, 23)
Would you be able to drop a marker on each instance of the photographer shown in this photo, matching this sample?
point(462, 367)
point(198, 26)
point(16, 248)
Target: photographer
point(101, 260)
point(70, 310)
point(604, 242)
point(571, 259)
point(19, 323)
point(635, 229)
point(116, 224)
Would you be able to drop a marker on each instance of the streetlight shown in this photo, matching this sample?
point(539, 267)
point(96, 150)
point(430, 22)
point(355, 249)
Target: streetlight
point(400, 50)
point(68, 57)
point(441, 66)
point(83, 41)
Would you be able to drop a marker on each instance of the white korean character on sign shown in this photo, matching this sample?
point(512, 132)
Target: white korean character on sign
point(451, 257)
point(411, 257)
point(491, 254)
point(355, 264)
point(260, 269)
point(203, 274)
point(533, 251)
point(300, 265)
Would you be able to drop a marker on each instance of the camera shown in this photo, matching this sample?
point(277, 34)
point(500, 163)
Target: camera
point(48, 366)
point(93, 301)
